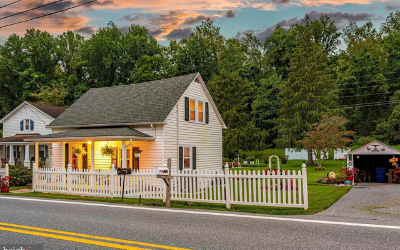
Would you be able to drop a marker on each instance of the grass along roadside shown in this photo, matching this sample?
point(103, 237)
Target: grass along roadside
point(321, 196)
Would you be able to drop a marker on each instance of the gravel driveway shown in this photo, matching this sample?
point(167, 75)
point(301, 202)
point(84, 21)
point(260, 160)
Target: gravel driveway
point(374, 203)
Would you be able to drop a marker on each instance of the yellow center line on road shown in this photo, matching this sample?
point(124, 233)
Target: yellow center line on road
point(67, 238)
point(84, 235)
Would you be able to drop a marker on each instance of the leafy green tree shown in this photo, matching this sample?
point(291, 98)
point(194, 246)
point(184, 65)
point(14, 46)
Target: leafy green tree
point(307, 95)
point(361, 78)
point(329, 133)
point(200, 52)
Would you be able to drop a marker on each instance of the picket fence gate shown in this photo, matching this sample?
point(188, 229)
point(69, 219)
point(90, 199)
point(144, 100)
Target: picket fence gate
point(270, 188)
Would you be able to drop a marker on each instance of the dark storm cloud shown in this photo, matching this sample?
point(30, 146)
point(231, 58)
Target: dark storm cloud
point(179, 33)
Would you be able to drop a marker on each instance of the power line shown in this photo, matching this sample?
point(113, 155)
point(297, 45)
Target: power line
point(365, 105)
point(49, 14)
point(380, 80)
point(364, 87)
point(10, 4)
point(22, 12)
point(380, 93)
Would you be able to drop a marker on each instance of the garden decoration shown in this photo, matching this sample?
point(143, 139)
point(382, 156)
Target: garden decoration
point(5, 184)
point(394, 161)
point(273, 162)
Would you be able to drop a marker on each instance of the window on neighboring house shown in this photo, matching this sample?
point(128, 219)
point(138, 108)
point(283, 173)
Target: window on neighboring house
point(192, 110)
point(27, 125)
point(186, 157)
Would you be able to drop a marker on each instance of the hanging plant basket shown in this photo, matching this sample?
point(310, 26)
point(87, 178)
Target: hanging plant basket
point(137, 152)
point(107, 150)
point(79, 149)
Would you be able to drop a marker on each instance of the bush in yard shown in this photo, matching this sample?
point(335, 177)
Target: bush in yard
point(225, 159)
point(284, 158)
point(250, 158)
point(21, 175)
point(266, 159)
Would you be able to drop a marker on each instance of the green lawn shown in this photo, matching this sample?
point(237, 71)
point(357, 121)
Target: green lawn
point(320, 196)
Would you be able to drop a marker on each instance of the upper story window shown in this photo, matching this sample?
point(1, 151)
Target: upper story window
point(26, 125)
point(196, 110)
point(192, 110)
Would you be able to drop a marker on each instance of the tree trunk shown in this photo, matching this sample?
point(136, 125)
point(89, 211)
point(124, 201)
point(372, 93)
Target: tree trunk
point(310, 161)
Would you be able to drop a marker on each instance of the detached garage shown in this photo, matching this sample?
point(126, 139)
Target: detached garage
point(376, 162)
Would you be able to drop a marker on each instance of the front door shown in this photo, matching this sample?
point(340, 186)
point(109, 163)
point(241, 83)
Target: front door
point(135, 161)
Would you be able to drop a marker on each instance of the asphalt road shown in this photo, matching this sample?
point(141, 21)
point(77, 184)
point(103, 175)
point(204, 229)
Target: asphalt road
point(193, 229)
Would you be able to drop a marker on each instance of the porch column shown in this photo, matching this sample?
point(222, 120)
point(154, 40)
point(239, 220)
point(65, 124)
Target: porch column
point(63, 155)
point(123, 154)
point(11, 161)
point(37, 154)
point(27, 162)
point(92, 155)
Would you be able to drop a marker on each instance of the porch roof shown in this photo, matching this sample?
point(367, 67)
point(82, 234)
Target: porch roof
point(18, 138)
point(95, 134)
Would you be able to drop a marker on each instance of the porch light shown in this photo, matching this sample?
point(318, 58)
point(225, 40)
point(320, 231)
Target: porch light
point(89, 142)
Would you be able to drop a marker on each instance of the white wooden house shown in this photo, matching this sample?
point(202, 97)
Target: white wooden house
point(27, 120)
point(171, 118)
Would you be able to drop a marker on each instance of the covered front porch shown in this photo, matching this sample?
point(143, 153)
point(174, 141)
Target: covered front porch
point(97, 148)
point(16, 151)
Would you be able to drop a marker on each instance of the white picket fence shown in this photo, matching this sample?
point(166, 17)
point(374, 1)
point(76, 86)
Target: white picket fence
point(4, 171)
point(286, 189)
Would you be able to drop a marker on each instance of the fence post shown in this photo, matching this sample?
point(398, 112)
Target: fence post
point(112, 181)
point(34, 177)
point(165, 186)
point(305, 187)
point(7, 174)
point(69, 179)
point(227, 189)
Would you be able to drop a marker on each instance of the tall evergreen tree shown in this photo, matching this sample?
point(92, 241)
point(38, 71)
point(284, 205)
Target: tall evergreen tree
point(307, 95)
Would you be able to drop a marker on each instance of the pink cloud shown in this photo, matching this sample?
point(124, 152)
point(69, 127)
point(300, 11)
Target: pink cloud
point(167, 16)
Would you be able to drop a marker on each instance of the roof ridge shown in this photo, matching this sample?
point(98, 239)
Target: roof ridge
point(139, 83)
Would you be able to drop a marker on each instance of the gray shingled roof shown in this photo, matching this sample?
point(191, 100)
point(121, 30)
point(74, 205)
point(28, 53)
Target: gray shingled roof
point(148, 102)
point(94, 132)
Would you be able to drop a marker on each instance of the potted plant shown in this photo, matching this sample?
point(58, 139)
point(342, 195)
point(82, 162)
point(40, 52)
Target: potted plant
point(5, 184)
point(107, 150)
point(137, 152)
point(349, 173)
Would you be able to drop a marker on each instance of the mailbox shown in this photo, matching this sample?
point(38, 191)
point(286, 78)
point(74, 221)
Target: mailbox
point(121, 171)
point(163, 171)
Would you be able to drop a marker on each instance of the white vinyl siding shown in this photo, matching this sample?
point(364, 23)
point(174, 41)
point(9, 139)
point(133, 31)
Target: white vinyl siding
point(11, 126)
point(206, 137)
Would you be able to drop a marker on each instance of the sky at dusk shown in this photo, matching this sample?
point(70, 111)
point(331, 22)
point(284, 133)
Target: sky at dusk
point(174, 19)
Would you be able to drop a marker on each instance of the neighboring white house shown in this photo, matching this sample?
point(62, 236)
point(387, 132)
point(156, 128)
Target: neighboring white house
point(296, 154)
point(27, 120)
point(171, 118)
